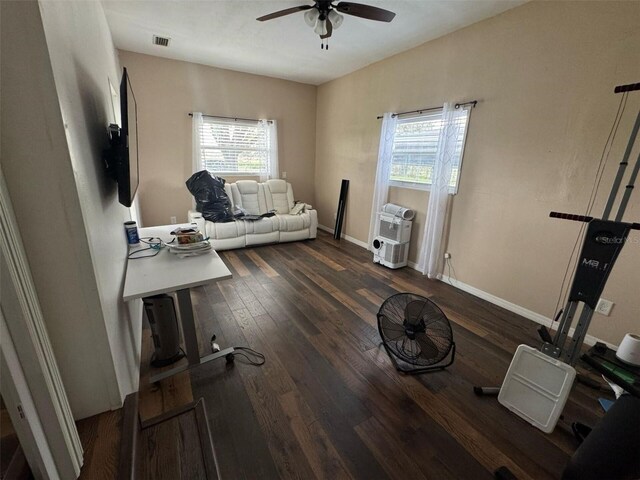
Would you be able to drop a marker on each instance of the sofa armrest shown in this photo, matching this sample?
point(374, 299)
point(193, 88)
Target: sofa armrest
point(313, 225)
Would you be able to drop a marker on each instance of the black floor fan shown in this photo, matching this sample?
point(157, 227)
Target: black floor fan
point(415, 333)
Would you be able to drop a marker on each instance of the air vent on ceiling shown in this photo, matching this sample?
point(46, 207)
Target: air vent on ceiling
point(162, 41)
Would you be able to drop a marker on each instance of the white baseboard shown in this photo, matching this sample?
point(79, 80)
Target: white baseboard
point(348, 238)
point(476, 292)
point(512, 307)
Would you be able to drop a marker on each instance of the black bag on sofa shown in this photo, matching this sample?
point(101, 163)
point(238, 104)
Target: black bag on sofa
point(211, 199)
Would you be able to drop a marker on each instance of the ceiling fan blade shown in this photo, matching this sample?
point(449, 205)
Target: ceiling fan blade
point(282, 13)
point(365, 11)
point(329, 30)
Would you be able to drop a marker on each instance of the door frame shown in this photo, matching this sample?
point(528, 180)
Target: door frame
point(33, 389)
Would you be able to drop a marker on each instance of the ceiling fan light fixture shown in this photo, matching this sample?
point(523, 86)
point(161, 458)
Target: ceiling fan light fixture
point(311, 17)
point(336, 19)
point(321, 27)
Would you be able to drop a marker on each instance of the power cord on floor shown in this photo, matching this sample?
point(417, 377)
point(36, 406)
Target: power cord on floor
point(250, 352)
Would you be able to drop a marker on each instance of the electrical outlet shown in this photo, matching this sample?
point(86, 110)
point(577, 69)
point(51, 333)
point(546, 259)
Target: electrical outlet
point(604, 307)
point(447, 255)
point(284, 175)
point(173, 220)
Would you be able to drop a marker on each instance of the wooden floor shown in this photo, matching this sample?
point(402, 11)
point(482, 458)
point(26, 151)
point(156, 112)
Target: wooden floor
point(100, 438)
point(328, 403)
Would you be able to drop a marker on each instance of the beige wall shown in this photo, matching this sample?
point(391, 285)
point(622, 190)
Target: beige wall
point(57, 61)
point(167, 90)
point(544, 75)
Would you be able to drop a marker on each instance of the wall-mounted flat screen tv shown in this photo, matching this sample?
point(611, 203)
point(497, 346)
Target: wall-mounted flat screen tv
point(122, 156)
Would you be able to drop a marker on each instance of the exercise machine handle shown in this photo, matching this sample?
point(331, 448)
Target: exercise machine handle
point(632, 87)
point(571, 216)
point(583, 218)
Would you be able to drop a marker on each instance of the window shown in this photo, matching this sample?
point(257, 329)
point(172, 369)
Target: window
point(415, 146)
point(237, 147)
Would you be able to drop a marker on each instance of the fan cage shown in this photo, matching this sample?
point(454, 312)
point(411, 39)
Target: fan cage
point(415, 331)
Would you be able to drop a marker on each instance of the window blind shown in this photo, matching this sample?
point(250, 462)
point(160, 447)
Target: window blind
point(415, 147)
point(234, 146)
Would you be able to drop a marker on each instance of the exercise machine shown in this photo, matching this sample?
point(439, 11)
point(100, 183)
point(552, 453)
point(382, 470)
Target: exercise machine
point(603, 241)
point(610, 448)
point(602, 244)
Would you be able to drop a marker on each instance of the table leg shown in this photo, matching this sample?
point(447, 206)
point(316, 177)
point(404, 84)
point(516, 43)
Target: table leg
point(188, 326)
point(190, 340)
point(174, 371)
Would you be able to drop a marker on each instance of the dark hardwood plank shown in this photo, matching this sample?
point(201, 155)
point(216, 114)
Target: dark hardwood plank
point(191, 456)
point(100, 437)
point(395, 459)
point(321, 257)
point(238, 268)
point(279, 380)
point(261, 264)
point(206, 442)
point(285, 449)
point(160, 459)
point(314, 441)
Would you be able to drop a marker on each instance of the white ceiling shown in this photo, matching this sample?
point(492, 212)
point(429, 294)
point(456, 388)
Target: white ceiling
point(225, 33)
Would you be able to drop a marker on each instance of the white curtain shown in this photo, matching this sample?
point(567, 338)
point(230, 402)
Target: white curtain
point(383, 172)
point(272, 169)
point(195, 142)
point(432, 242)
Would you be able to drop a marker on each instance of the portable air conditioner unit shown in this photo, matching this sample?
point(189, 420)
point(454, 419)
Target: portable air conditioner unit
point(389, 253)
point(394, 228)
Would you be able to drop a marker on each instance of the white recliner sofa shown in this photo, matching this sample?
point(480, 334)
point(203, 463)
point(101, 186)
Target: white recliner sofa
point(257, 199)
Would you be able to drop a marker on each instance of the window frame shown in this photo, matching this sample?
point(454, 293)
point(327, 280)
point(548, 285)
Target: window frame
point(453, 190)
point(236, 121)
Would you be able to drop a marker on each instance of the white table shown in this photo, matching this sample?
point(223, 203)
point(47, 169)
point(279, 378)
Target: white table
point(166, 273)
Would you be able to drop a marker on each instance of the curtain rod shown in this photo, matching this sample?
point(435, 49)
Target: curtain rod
point(232, 118)
point(458, 105)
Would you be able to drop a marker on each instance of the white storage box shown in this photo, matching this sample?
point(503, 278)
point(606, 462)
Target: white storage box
point(536, 387)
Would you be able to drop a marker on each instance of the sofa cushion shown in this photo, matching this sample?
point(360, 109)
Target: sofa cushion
point(279, 196)
point(293, 223)
point(227, 189)
point(250, 196)
point(221, 231)
point(235, 195)
point(264, 225)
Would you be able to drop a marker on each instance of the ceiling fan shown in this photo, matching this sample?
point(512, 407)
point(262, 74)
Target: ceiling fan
point(323, 16)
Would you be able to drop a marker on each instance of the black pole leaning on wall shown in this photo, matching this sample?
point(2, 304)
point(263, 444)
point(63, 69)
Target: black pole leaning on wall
point(342, 205)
